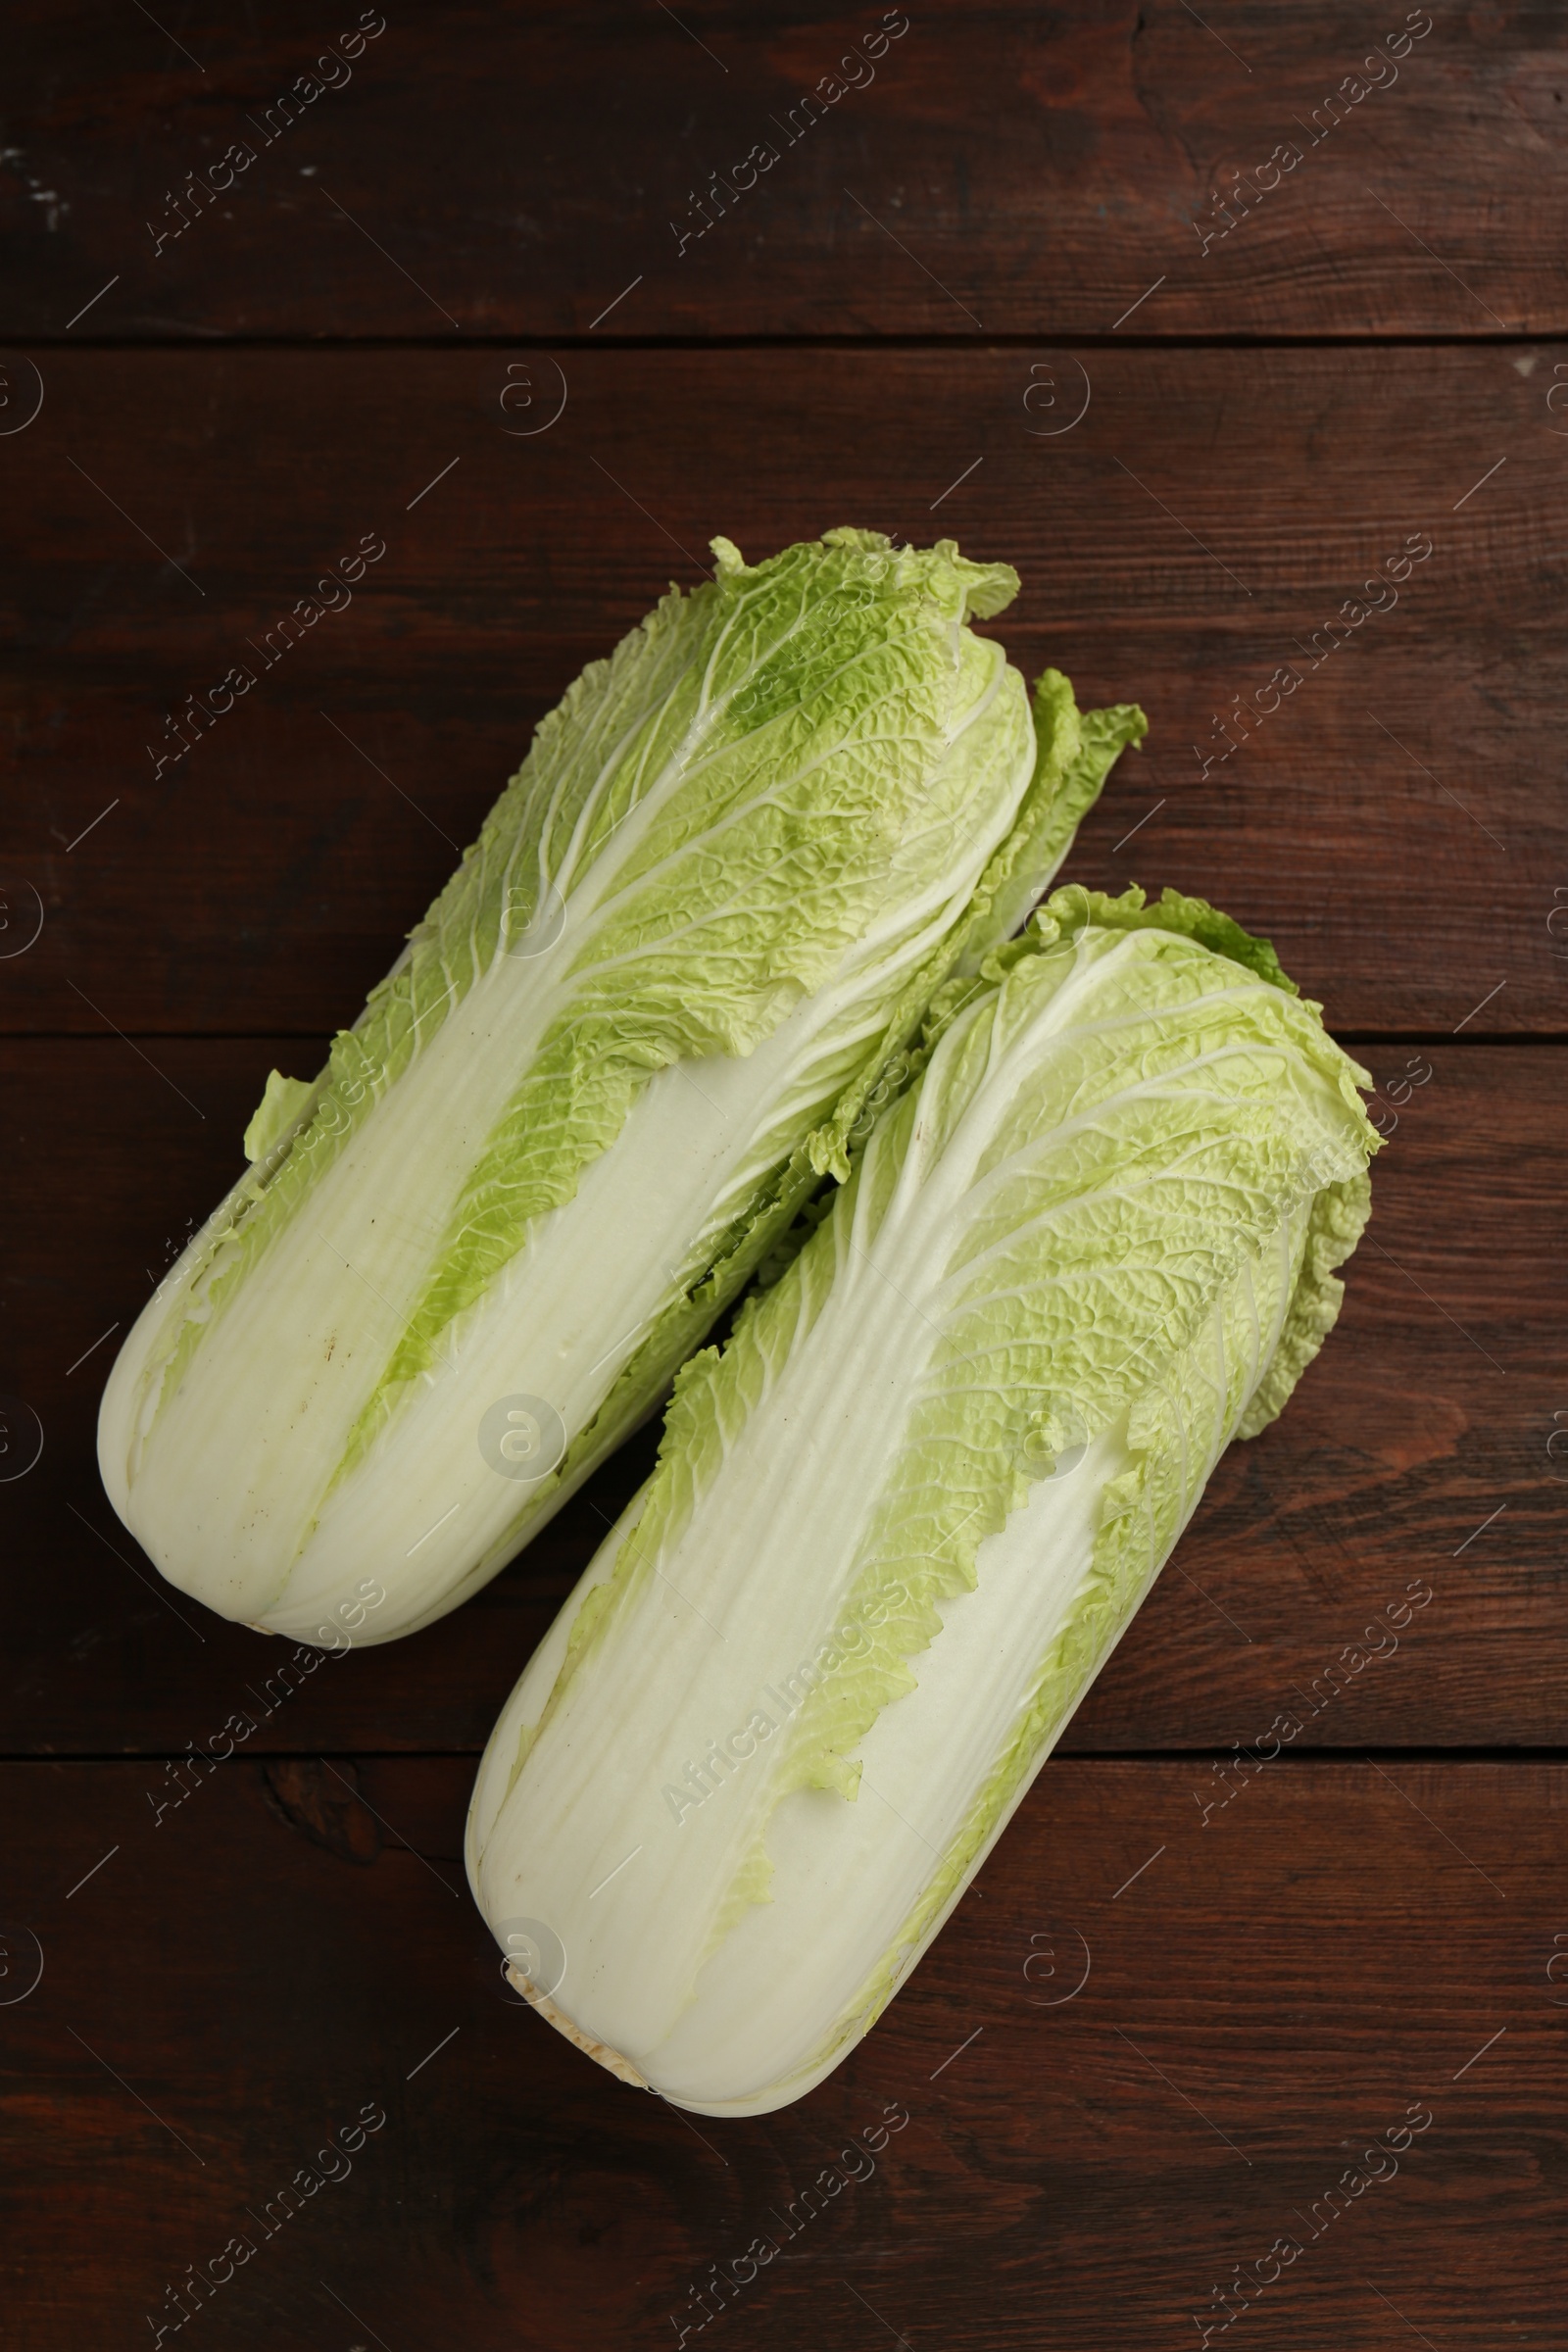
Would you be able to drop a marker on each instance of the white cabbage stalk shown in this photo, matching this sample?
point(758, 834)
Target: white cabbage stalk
point(899, 1523)
point(637, 1026)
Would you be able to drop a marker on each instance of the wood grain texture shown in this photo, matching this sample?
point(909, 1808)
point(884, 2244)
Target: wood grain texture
point(1428, 1419)
point(1394, 817)
point(1017, 290)
point(1265, 1999)
point(1000, 168)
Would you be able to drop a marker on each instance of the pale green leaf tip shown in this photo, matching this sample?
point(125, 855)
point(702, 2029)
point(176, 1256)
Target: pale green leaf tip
point(1072, 908)
point(953, 581)
point(275, 1113)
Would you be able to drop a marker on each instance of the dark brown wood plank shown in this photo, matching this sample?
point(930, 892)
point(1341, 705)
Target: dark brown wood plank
point(560, 169)
point(1390, 814)
point(1424, 1449)
point(1349, 1949)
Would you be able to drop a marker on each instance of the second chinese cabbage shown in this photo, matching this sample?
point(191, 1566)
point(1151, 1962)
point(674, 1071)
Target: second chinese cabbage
point(899, 1523)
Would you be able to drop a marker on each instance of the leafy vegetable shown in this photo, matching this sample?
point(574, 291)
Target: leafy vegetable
point(694, 936)
point(899, 1523)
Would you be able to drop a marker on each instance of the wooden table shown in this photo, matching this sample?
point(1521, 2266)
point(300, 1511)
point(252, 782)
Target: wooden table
point(1004, 279)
